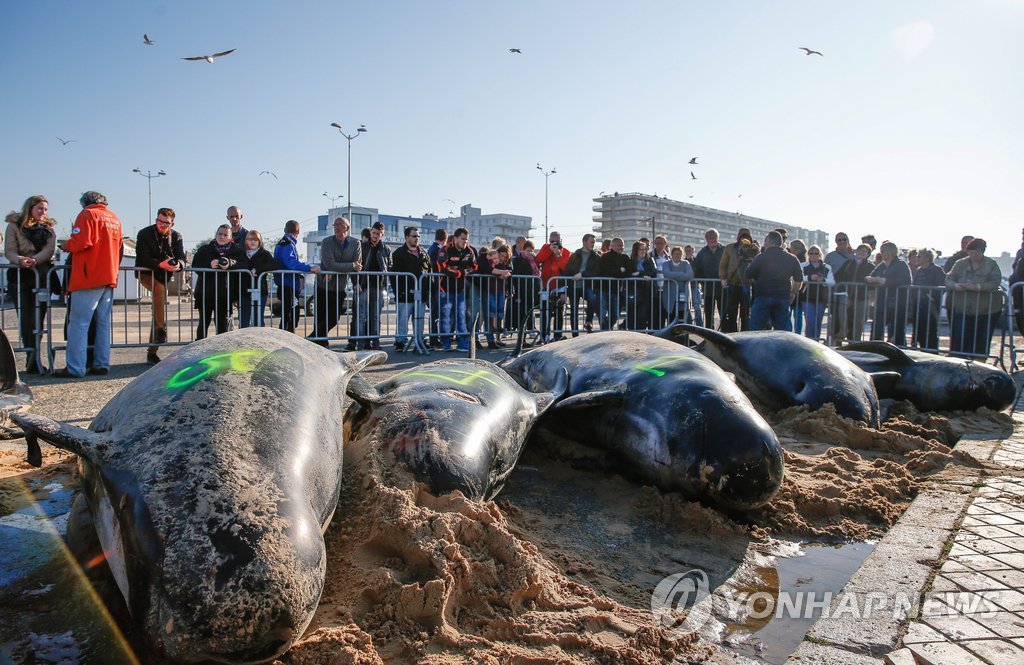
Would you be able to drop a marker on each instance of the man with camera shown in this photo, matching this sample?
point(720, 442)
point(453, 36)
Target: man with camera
point(552, 259)
point(159, 249)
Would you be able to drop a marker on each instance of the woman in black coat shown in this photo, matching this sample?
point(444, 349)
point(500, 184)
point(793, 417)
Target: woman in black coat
point(259, 260)
point(213, 262)
point(639, 294)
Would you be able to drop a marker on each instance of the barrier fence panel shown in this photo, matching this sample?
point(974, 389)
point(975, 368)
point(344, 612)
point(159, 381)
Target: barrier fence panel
point(434, 310)
point(1015, 321)
point(24, 304)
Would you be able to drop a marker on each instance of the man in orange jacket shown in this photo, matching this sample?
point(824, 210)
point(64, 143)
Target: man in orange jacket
point(553, 258)
point(96, 246)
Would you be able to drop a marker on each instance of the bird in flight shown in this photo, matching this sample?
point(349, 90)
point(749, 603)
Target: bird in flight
point(146, 40)
point(810, 52)
point(693, 160)
point(63, 142)
point(515, 50)
point(692, 177)
point(691, 196)
point(269, 173)
point(209, 58)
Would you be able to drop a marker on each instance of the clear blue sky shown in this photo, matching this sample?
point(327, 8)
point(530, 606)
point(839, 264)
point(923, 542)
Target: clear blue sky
point(909, 127)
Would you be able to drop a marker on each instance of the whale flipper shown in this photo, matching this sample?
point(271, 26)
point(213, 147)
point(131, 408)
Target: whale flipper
point(591, 399)
point(363, 392)
point(82, 442)
point(885, 382)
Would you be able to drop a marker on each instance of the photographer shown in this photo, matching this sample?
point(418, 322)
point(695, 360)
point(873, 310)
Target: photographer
point(160, 250)
point(212, 296)
point(732, 273)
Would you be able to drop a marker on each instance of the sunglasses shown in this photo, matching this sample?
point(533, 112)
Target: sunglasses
point(163, 222)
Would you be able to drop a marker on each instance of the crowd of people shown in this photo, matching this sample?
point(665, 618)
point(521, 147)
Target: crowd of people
point(497, 288)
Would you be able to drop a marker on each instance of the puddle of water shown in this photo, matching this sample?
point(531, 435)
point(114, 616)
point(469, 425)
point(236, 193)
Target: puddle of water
point(787, 596)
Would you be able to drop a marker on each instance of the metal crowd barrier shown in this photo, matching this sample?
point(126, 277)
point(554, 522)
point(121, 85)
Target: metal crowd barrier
point(433, 311)
point(21, 290)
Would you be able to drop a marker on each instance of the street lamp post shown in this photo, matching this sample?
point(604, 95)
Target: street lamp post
point(547, 174)
point(149, 175)
point(334, 198)
point(362, 128)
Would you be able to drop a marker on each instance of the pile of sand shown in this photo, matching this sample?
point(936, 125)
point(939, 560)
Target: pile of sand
point(417, 578)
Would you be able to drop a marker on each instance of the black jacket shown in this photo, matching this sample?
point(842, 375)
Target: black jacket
point(705, 264)
point(615, 264)
point(404, 261)
point(260, 262)
point(572, 268)
point(153, 248)
point(850, 278)
point(215, 283)
point(375, 259)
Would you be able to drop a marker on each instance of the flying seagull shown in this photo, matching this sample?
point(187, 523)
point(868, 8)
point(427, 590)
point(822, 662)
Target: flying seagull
point(515, 50)
point(209, 58)
point(269, 173)
point(693, 160)
point(147, 41)
point(692, 177)
point(63, 142)
point(810, 52)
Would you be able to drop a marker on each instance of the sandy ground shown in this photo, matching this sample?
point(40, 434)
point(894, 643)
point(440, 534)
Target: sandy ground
point(559, 568)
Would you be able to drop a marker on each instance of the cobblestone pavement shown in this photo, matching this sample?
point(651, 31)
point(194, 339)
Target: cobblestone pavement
point(974, 610)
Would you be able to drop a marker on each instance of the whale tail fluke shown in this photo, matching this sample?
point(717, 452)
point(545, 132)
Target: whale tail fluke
point(680, 333)
point(885, 349)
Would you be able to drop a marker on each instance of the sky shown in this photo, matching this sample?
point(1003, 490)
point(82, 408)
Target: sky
point(908, 126)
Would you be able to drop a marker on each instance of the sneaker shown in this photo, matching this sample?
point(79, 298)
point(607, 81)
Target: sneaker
point(99, 371)
point(152, 358)
point(374, 347)
point(63, 374)
point(350, 346)
point(588, 328)
point(399, 346)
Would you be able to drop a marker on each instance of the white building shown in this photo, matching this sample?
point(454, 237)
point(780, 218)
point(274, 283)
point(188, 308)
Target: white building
point(483, 228)
point(635, 215)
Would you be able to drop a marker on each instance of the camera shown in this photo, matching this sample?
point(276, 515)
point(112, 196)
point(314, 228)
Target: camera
point(174, 263)
point(224, 262)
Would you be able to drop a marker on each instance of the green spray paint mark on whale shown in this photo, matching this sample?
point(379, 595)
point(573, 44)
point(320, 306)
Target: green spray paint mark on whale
point(460, 377)
point(654, 367)
point(232, 361)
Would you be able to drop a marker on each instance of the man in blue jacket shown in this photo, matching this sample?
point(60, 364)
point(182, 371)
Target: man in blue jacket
point(287, 256)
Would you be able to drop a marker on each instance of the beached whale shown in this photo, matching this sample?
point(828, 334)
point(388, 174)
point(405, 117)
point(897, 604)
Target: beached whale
point(665, 413)
point(781, 369)
point(929, 381)
point(210, 479)
point(454, 424)
point(15, 396)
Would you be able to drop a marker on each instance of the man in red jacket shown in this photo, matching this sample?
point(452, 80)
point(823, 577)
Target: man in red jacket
point(96, 246)
point(552, 258)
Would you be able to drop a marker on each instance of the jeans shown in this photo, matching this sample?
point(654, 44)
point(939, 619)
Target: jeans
point(453, 310)
point(814, 312)
point(610, 306)
point(85, 305)
point(971, 334)
point(371, 301)
point(250, 314)
point(406, 311)
point(712, 298)
point(288, 313)
point(773, 309)
point(590, 297)
point(797, 310)
point(495, 314)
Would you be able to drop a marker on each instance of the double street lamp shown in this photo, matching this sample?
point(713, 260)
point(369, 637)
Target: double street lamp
point(149, 175)
point(547, 174)
point(362, 128)
point(334, 198)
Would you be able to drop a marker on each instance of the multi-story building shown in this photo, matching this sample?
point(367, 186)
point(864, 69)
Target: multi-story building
point(483, 228)
point(634, 215)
